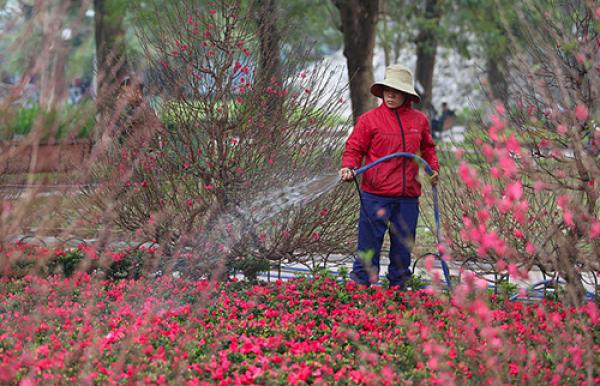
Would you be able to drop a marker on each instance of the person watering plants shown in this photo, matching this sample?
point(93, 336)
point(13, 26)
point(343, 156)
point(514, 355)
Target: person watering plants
point(389, 191)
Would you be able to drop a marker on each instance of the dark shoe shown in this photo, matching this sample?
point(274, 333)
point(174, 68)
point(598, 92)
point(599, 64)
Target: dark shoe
point(354, 277)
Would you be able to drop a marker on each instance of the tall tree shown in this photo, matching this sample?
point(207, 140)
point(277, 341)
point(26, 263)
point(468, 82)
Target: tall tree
point(112, 64)
point(269, 36)
point(313, 22)
point(359, 20)
point(426, 44)
point(468, 29)
point(396, 27)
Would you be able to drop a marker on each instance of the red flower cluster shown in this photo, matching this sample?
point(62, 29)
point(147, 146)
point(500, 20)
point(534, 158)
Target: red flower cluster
point(84, 330)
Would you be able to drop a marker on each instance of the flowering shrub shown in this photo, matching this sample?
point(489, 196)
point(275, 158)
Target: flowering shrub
point(242, 124)
point(83, 330)
point(20, 259)
point(526, 194)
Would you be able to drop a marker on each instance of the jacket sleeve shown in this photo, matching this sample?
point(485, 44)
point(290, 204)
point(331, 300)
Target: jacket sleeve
point(356, 145)
point(428, 147)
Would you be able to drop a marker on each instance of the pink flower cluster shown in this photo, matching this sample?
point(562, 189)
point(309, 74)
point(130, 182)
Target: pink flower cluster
point(84, 330)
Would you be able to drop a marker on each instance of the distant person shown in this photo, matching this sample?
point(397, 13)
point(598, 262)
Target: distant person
point(446, 117)
point(390, 191)
point(444, 121)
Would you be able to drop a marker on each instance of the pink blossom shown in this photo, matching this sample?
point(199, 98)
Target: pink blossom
point(568, 218)
point(429, 260)
point(512, 270)
point(500, 109)
point(581, 112)
point(497, 122)
point(595, 229)
point(488, 152)
point(501, 265)
point(493, 133)
point(513, 145)
point(483, 215)
point(508, 166)
point(538, 186)
point(495, 172)
point(468, 175)
point(504, 204)
point(530, 248)
point(514, 190)
point(520, 211)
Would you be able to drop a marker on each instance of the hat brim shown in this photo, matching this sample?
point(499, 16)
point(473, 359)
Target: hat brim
point(377, 89)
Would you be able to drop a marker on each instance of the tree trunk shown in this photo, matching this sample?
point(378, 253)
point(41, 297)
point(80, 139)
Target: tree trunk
point(359, 27)
point(566, 266)
point(269, 36)
point(54, 55)
point(385, 43)
point(497, 79)
point(111, 59)
point(426, 50)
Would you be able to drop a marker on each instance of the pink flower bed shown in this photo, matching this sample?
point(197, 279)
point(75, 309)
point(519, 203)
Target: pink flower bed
point(84, 330)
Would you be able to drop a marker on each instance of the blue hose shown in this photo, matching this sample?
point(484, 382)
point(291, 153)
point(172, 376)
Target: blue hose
point(436, 208)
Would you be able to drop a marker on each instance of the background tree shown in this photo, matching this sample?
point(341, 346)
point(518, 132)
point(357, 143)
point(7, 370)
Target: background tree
point(413, 25)
point(358, 23)
point(426, 49)
point(315, 23)
point(268, 31)
point(44, 33)
point(474, 33)
point(111, 52)
point(205, 179)
point(393, 32)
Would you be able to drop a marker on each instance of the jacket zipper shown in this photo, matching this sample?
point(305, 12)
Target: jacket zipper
point(404, 150)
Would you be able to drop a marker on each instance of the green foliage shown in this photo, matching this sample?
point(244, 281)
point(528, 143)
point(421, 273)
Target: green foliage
point(505, 289)
point(129, 266)
point(65, 262)
point(249, 266)
point(417, 282)
point(464, 20)
point(22, 121)
point(73, 121)
point(316, 19)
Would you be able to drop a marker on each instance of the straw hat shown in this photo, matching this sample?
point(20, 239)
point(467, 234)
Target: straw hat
point(397, 77)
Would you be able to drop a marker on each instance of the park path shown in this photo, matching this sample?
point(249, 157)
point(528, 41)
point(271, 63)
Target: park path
point(334, 264)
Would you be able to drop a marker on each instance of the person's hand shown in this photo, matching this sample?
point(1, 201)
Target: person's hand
point(434, 178)
point(346, 174)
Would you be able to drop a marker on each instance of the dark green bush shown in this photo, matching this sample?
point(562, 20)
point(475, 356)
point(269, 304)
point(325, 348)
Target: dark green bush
point(65, 262)
point(250, 267)
point(130, 266)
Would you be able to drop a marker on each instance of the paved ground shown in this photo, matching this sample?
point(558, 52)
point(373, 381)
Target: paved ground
point(534, 280)
point(337, 263)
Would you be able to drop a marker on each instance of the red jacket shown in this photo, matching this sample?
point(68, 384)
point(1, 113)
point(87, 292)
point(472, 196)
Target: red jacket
point(382, 131)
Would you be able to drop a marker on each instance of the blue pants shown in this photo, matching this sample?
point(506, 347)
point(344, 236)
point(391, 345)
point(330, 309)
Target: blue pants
point(379, 214)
